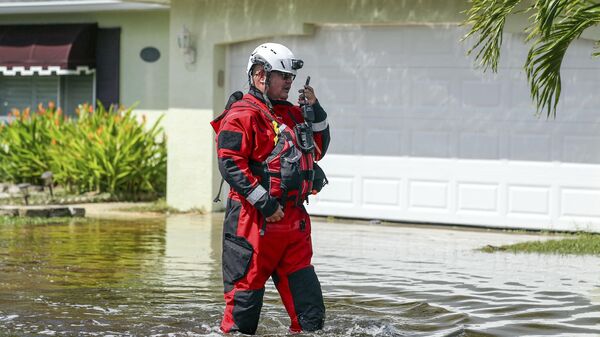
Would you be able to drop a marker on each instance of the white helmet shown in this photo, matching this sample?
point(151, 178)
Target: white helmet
point(274, 57)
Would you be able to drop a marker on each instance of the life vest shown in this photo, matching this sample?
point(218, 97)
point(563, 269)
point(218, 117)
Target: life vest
point(287, 173)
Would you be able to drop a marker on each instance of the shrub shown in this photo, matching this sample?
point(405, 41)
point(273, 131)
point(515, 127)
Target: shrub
point(24, 144)
point(101, 150)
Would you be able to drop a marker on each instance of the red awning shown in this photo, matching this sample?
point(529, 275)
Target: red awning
point(67, 46)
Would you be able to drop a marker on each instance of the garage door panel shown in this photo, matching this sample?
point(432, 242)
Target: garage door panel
point(239, 56)
point(512, 53)
point(479, 145)
point(529, 200)
point(483, 96)
point(530, 146)
point(431, 143)
point(392, 44)
point(346, 92)
point(432, 139)
point(342, 190)
point(581, 99)
point(534, 129)
point(578, 100)
point(344, 141)
point(433, 94)
point(428, 195)
point(564, 142)
point(236, 80)
point(383, 142)
point(581, 149)
point(379, 191)
point(346, 132)
point(482, 99)
point(519, 105)
point(352, 55)
point(475, 197)
point(579, 55)
point(574, 201)
point(332, 85)
point(386, 91)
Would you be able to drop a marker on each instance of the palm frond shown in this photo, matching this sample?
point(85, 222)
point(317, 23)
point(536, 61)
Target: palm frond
point(549, 11)
point(487, 18)
point(545, 57)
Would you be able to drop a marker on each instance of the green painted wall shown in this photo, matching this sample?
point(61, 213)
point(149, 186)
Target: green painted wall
point(146, 83)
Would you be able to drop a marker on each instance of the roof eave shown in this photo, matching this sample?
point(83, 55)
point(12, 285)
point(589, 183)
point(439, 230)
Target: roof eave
point(77, 6)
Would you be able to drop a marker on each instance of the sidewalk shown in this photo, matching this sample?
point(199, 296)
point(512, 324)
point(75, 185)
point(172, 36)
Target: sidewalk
point(114, 210)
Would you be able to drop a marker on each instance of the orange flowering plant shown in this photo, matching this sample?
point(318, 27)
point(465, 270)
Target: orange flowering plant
point(24, 144)
point(98, 149)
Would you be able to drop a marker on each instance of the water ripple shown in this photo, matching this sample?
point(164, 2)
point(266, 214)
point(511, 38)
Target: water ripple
point(164, 279)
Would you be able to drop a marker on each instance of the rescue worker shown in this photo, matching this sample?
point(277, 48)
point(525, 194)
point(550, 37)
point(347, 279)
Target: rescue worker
point(267, 231)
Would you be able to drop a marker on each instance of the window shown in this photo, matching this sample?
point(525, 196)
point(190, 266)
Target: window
point(67, 91)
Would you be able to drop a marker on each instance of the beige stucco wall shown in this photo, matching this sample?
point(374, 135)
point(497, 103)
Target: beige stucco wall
point(193, 176)
point(140, 82)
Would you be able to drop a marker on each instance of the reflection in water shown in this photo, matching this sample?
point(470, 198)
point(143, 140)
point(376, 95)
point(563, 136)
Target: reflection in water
point(162, 278)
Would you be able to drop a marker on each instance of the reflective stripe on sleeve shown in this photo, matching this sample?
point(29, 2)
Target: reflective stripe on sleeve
point(256, 194)
point(320, 126)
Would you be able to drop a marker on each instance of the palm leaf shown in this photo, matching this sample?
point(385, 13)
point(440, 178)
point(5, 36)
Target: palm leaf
point(487, 18)
point(545, 57)
point(555, 24)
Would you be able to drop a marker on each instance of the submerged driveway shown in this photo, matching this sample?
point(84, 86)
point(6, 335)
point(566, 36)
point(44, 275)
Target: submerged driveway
point(431, 281)
point(161, 277)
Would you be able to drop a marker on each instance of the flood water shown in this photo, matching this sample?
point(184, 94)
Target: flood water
point(163, 278)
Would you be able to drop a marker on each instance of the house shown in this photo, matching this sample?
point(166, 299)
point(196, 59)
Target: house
point(73, 52)
point(418, 134)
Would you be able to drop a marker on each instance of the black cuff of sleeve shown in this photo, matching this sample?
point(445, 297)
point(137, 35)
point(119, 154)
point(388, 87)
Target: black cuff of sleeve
point(267, 205)
point(320, 114)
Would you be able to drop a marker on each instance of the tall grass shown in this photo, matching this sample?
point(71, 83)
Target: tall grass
point(577, 244)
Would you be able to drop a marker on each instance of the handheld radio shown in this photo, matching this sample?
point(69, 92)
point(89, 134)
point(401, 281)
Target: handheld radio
point(303, 131)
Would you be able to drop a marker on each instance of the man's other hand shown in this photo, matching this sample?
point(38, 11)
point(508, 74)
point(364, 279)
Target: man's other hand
point(278, 215)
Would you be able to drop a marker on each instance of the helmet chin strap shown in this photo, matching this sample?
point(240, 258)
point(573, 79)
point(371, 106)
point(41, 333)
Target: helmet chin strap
point(265, 94)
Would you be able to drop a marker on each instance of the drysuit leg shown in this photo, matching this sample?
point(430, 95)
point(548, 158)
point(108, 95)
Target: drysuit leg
point(298, 285)
point(248, 261)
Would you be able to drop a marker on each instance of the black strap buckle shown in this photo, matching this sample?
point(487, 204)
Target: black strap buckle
point(304, 135)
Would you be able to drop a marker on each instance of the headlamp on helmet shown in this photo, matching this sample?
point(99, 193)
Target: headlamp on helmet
point(297, 64)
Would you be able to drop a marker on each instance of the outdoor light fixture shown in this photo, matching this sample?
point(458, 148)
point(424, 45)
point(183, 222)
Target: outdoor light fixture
point(24, 188)
point(184, 42)
point(47, 177)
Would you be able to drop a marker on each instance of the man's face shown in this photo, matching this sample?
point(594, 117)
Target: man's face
point(280, 85)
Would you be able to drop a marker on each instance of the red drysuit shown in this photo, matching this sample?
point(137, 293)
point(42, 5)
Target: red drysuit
point(254, 250)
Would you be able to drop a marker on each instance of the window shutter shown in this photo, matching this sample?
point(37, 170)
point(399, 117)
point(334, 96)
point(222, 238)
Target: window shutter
point(77, 89)
point(26, 91)
point(108, 54)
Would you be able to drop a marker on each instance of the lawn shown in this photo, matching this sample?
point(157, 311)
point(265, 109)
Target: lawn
point(573, 244)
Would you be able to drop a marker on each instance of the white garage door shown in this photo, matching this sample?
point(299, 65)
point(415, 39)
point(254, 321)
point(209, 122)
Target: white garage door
point(419, 135)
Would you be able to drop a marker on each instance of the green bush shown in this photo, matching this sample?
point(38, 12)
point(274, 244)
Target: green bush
point(24, 145)
point(99, 151)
